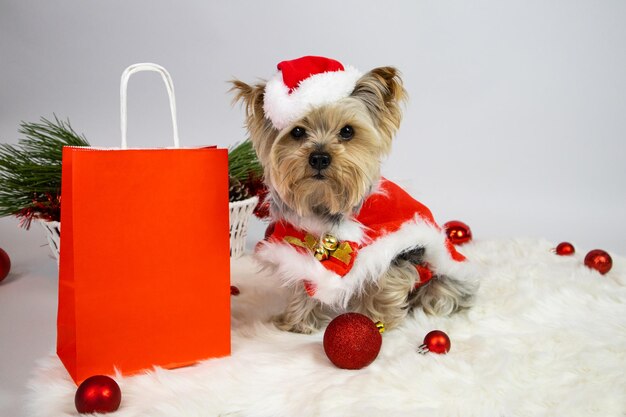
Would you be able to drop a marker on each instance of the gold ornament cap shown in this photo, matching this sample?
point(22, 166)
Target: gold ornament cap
point(381, 327)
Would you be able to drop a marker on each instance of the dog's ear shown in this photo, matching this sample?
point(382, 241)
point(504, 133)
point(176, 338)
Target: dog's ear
point(383, 94)
point(250, 95)
point(262, 132)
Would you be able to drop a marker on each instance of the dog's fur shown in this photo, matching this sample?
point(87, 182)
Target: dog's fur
point(304, 195)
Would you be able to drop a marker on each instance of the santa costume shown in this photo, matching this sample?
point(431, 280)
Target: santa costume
point(333, 265)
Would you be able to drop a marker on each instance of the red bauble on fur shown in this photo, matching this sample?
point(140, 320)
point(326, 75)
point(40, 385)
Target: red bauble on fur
point(458, 232)
point(599, 260)
point(435, 341)
point(5, 264)
point(352, 341)
point(565, 249)
point(98, 394)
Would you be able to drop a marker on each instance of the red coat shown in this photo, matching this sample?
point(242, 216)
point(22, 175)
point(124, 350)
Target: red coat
point(387, 219)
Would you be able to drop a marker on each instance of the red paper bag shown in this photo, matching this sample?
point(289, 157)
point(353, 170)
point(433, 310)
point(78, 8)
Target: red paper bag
point(144, 267)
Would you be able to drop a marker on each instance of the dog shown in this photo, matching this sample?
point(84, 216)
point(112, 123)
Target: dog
point(342, 237)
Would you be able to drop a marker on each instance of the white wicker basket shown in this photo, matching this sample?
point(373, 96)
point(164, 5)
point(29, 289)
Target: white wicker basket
point(53, 233)
point(240, 213)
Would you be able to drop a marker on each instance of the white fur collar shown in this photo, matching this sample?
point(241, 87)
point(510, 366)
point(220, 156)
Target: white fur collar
point(347, 229)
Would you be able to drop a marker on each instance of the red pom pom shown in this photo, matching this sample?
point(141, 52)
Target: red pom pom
point(458, 232)
point(435, 341)
point(5, 264)
point(98, 394)
point(352, 341)
point(599, 260)
point(234, 290)
point(565, 249)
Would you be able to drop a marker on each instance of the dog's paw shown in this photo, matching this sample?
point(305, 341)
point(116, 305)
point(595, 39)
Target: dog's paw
point(286, 323)
point(444, 295)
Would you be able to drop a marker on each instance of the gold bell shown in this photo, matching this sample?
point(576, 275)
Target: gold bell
point(330, 242)
point(320, 253)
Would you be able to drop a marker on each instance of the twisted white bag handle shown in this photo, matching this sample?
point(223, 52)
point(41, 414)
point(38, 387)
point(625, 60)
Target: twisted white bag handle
point(170, 92)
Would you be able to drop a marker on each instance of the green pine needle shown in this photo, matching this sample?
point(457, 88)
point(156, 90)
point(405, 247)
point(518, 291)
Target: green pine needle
point(32, 168)
point(30, 172)
point(243, 163)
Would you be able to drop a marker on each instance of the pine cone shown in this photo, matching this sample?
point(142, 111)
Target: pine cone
point(236, 190)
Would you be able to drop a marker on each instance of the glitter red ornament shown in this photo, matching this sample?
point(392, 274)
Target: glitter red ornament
point(5, 264)
point(458, 232)
point(599, 260)
point(98, 394)
point(352, 341)
point(435, 341)
point(565, 249)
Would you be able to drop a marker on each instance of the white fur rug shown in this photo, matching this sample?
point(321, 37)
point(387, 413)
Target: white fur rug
point(547, 337)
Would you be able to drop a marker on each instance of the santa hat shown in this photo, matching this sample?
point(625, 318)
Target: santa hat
point(303, 84)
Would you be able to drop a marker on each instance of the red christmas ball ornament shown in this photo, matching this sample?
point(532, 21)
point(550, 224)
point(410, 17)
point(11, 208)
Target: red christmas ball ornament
point(565, 249)
point(458, 232)
point(599, 260)
point(98, 394)
point(435, 341)
point(352, 341)
point(5, 264)
point(234, 290)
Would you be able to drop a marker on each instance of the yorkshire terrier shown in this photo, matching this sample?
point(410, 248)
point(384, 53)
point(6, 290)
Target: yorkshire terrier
point(344, 238)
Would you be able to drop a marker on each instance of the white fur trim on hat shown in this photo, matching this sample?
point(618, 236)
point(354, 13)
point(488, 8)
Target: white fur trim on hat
point(283, 108)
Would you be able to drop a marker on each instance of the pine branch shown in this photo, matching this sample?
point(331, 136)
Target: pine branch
point(243, 163)
point(30, 172)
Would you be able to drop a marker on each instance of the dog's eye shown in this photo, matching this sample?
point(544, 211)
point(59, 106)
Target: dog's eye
point(298, 132)
point(346, 132)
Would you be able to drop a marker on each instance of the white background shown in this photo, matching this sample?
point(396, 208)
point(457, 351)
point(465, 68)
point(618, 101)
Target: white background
point(515, 125)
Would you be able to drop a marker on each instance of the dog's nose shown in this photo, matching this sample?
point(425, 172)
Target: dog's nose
point(319, 160)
